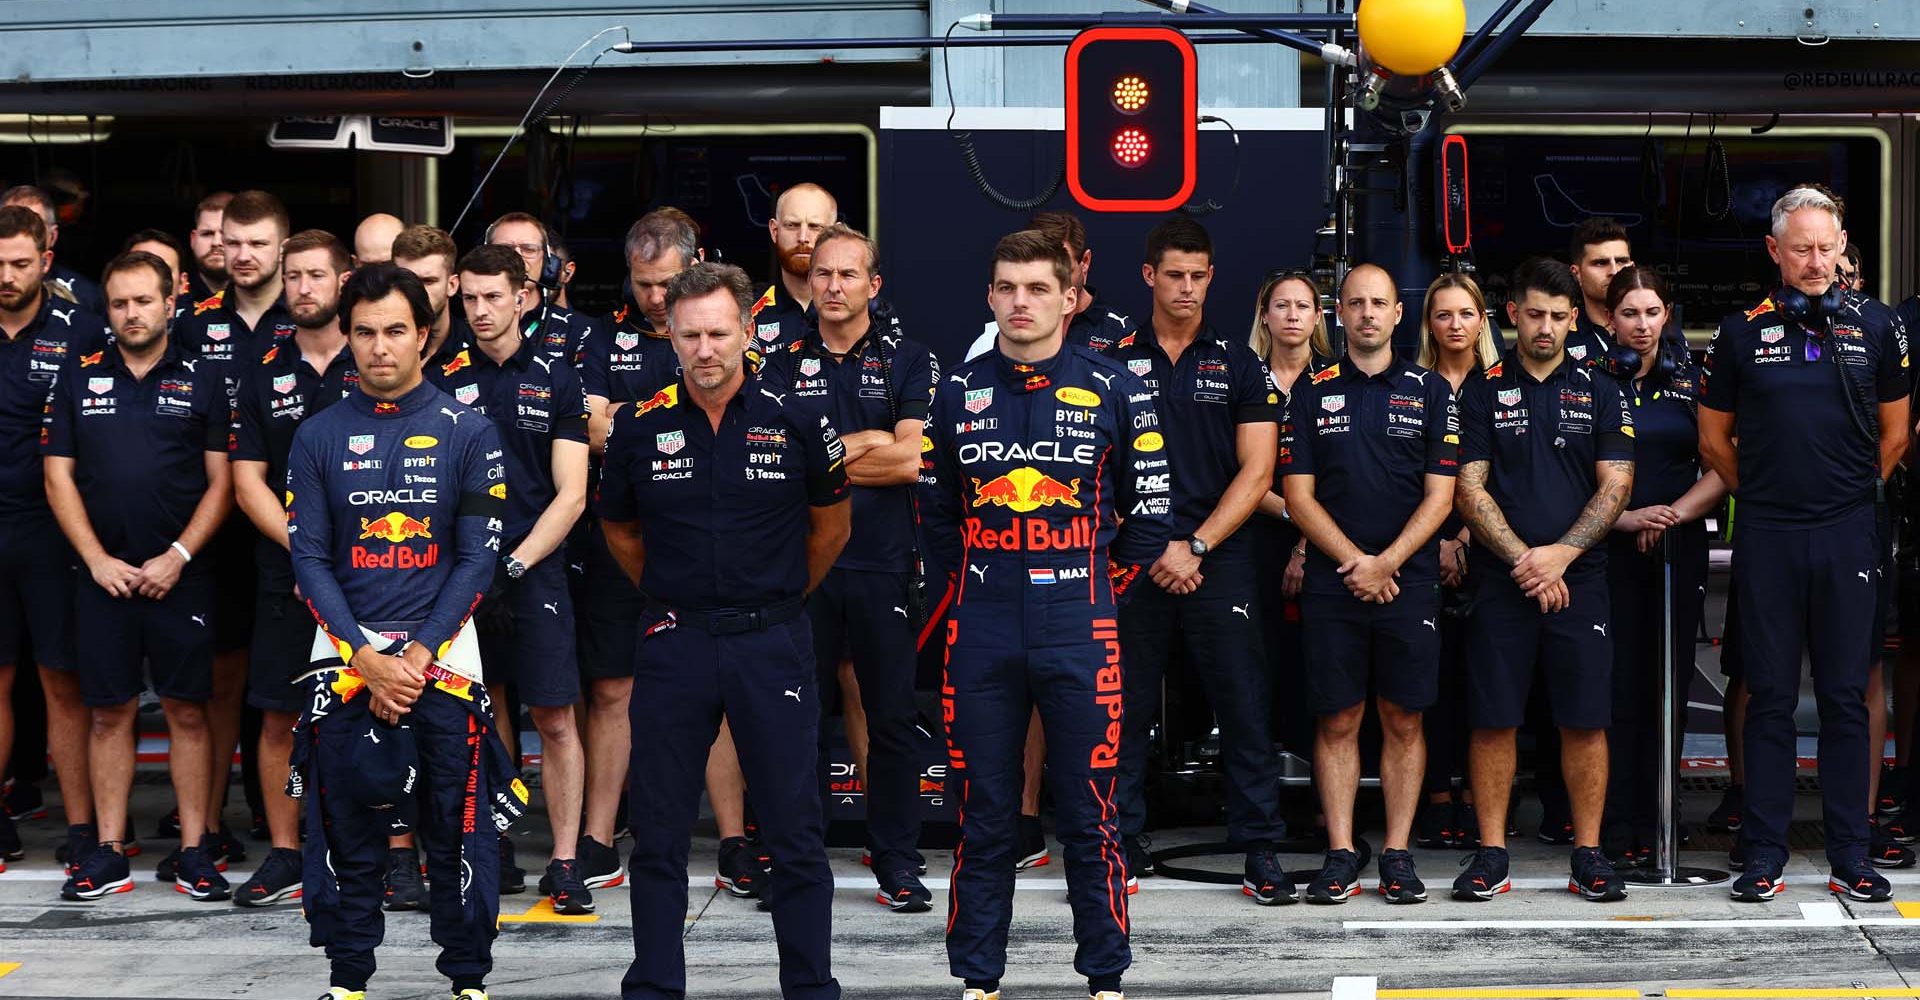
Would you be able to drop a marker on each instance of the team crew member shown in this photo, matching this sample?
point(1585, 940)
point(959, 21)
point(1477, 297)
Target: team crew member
point(393, 497)
point(165, 246)
point(536, 405)
point(251, 314)
point(876, 386)
point(1369, 458)
point(784, 312)
point(1546, 465)
point(1096, 328)
point(373, 238)
point(292, 381)
point(1598, 251)
point(136, 473)
point(559, 332)
point(40, 337)
point(71, 284)
point(1813, 383)
point(635, 358)
point(207, 277)
point(725, 503)
point(1458, 344)
point(1663, 524)
point(1219, 414)
point(1038, 450)
point(431, 254)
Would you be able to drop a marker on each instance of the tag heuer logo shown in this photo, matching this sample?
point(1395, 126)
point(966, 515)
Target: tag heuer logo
point(360, 444)
point(218, 331)
point(1509, 397)
point(283, 384)
point(979, 399)
point(670, 441)
point(1577, 353)
point(1140, 366)
point(467, 394)
point(626, 341)
point(810, 367)
point(1772, 334)
point(769, 331)
point(1333, 404)
point(99, 386)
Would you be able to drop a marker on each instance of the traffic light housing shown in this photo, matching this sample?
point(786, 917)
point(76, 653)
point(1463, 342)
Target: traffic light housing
point(1133, 111)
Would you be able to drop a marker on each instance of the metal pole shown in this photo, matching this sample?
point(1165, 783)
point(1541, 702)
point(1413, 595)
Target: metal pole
point(907, 42)
point(1195, 19)
point(1667, 873)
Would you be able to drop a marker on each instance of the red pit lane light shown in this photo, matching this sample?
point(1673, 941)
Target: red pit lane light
point(1133, 113)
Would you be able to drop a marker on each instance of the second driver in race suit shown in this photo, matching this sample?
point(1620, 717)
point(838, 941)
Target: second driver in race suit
point(1038, 450)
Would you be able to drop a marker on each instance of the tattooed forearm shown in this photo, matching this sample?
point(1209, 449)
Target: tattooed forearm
point(1476, 507)
point(1596, 519)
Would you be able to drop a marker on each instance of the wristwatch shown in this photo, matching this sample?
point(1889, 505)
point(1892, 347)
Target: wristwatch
point(515, 568)
point(1196, 546)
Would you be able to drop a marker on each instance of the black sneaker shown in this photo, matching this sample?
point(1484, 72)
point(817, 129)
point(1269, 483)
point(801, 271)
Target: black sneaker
point(1431, 829)
point(1485, 876)
point(902, 892)
point(1556, 826)
point(81, 839)
point(739, 868)
point(102, 873)
point(1758, 882)
point(1139, 859)
point(513, 878)
point(620, 829)
point(1594, 878)
point(1885, 852)
point(1898, 830)
point(1894, 783)
point(1466, 826)
point(404, 888)
point(259, 830)
point(10, 847)
point(199, 879)
point(169, 826)
point(1033, 845)
point(24, 802)
point(1861, 883)
point(1265, 881)
point(1725, 817)
point(1339, 878)
point(1399, 883)
point(278, 878)
point(168, 870)
point(225, 847)
point(600, 866)
point(919, 867)
point(563, 885)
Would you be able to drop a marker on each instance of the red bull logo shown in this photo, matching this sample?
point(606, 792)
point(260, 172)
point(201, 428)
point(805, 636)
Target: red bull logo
point(1030, 534)
point(1760, 310)
point(396, 527)
point(1026, 489)
point(457, 362)
point(1106, 686)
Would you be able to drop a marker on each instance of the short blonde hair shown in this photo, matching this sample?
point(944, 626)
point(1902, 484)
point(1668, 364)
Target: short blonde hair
point(1262, 342)
point(1487, 351)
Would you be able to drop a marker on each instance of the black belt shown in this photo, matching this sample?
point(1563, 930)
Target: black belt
point(735, 621)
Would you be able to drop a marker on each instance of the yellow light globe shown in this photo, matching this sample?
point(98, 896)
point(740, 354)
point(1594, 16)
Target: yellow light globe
point(1412, 37)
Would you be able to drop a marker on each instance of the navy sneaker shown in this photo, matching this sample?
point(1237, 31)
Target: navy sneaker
point(24, 802)
point(1139, 860)
point(1760, 878)
point(168, 870)
point(225, 847)
point(102, 873)
point(1265, 881)
point(1862, 883)
point(1484, 877)
point(600, 866)
point(403, 885)
point(10, 847)
point(1898, 830)
point(1725, 817)
point(1894, 782)
point(1466, 826)
point(278, 878)
point(513, 878)
point(1433, 828)
point(1339, 878)
point(903, 892)
point(739, 868)
point(81, 838)
point(1594, 878)
point(1033, 845)
point(199, 879)
point(562, 884)
point(1399, 883)
point(1885, 852)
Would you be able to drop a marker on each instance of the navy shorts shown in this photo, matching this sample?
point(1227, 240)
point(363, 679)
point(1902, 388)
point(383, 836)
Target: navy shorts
point(37, 578)
point(282, 649)
point(536, 656)
point(1509, 641)
point(173, 635)
point(1351, 645)
point(609, 608)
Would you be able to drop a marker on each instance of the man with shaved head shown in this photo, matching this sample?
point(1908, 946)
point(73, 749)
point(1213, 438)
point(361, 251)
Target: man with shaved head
point(373, 239)
point(784, 312)
point(1369, 452)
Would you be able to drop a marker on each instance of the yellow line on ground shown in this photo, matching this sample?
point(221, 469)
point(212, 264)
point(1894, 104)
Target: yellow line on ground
point(1506, 995)
point(542, 913)
point(6, 967)
point(1910, 910)
point(1792, 994)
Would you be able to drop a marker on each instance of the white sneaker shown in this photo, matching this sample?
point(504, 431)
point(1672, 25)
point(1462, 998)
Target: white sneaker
point(980, 995)
point(1108, 995)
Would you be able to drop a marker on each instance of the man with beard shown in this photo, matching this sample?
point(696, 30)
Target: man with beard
point(559, 331)
point(40, 337)
point(430, 254)
point(136, 473)
point(784, 312)
point(71, 283)
point(208, 277)
point(295, 379)
point(250, 314)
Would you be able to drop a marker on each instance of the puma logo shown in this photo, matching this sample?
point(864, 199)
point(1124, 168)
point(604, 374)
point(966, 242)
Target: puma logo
point(453, 413)
point(794, 694)
point(551, 606)
point(1428, 622)
point(1867, 576)
point(1419, 377)
point(373, 736)
point(962, 379)
point(1106, 380)
point(903, 611)
point(1602, 629)
point(1241, 610)
point(977, 571)
point(779, 398)
point(200, 620)
point(66, 315)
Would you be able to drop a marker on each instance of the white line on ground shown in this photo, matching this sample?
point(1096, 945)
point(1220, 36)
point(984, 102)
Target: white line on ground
point(1355, 988)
